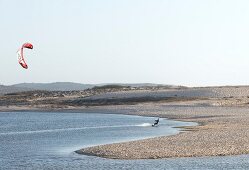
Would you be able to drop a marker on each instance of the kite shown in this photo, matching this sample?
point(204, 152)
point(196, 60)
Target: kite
point(21, 55)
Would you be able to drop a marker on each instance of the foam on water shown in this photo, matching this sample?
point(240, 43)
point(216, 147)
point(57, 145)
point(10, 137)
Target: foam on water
point(73, 129)
point(145, 124)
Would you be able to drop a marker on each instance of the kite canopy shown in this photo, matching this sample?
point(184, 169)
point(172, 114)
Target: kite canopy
point(21, 55)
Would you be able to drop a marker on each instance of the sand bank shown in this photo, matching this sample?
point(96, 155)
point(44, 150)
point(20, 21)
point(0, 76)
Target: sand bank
point(222, 131)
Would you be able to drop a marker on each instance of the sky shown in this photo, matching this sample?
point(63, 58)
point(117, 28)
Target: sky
point(178, 42)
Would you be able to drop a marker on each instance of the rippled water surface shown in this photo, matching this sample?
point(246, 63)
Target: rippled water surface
point(33, 140)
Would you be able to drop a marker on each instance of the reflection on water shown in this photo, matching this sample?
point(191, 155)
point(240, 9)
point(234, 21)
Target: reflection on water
point(47, 140)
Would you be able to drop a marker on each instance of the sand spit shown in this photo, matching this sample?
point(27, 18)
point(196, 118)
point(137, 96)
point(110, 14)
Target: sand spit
point(222, 131)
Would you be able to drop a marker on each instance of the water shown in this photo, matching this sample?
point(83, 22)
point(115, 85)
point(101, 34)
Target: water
point(48, 140)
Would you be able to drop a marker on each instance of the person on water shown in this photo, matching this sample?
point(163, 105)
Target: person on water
point(156, 122)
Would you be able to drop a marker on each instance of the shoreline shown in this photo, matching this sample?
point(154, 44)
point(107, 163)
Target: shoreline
point(220, 131)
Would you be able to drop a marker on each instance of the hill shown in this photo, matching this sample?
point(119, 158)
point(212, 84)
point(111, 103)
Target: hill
point(70, 86)
point(12, 89)
point(57, 86)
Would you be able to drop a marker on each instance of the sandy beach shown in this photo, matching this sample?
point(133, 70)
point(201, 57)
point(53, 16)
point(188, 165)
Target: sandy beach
point(222, 115)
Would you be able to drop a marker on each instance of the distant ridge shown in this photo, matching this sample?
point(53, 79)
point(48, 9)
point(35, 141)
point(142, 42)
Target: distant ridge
point(70, 86)
point(11, 89)
point(56, 86)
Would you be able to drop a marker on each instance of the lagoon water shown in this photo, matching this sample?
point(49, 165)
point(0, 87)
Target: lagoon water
point(34, 140)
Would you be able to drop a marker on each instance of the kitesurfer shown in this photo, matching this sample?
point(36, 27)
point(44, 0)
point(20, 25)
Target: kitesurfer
point(156, 122)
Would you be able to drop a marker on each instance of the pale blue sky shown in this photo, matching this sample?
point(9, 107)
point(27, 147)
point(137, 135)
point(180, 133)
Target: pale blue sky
point(182, 42)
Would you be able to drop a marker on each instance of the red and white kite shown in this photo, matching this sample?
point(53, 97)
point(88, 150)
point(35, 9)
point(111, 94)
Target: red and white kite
point(21, 56)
